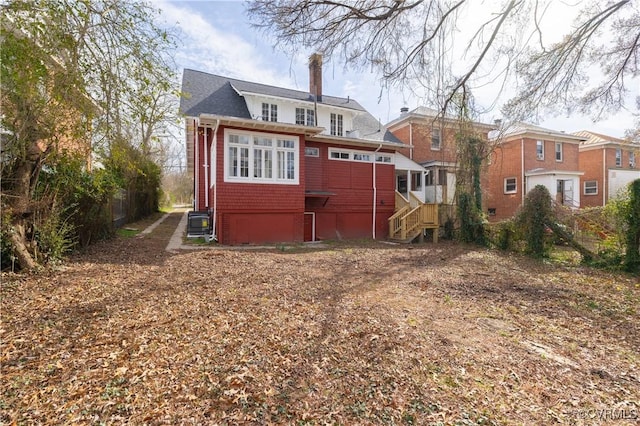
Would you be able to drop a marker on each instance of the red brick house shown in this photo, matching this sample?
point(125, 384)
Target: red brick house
point(609, 164)
point(430, 141)
point(277, 165)
point(525, 156)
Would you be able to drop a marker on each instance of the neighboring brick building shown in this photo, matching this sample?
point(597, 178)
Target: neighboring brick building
point(279, 165)
point(431, 142)
point(525, 156)
point(609, 164)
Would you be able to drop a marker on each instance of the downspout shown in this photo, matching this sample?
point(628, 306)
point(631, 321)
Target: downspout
point(375, 192)
point(604, 176)
point(206, 169)
point(524, 182)
point(196, 148)
point(214, 180)
point(411, 140)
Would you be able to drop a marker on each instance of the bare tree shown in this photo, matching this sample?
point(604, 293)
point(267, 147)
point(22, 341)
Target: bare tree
point(414, 43)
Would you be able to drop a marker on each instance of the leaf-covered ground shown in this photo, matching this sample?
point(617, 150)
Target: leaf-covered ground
point(345, 333)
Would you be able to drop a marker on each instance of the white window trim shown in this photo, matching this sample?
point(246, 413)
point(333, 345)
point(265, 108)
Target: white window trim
point(584, 190)
point(618, 158)
point(505, 185)
point(632, 159)
point(260, 180)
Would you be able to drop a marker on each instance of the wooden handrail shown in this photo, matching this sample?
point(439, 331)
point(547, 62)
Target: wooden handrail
point(396, 222)
point(406, 221)
point(401, 201)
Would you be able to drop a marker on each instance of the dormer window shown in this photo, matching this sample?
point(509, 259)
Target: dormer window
point(336, 125)
point(305, 117)
point(269, 112)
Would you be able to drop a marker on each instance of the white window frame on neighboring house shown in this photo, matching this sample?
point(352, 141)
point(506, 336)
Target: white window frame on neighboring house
point(261, 158)
point(559, 154)
point(436, 139)
point(618, 157)
point(507, 184)
point(540, 150)
point(590, 187)
point(632, 159)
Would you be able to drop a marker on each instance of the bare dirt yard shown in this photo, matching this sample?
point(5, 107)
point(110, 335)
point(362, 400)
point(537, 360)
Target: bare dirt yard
point(346, 333)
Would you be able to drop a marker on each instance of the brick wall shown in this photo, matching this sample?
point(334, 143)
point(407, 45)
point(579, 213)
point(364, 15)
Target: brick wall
point(505, 163)
point(591, 165)
point(420, 135)
point(569, 156)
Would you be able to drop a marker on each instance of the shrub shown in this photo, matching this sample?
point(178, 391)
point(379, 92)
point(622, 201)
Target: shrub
point(532, 218)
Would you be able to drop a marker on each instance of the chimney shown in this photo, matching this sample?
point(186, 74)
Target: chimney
point(315, 76)
point(404, 111)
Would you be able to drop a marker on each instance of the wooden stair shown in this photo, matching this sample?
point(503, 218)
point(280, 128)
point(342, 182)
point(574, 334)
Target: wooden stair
point(411, 219)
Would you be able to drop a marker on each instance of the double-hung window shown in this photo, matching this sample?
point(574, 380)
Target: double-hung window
point(540, 150)
point(436, 137)
point(510, 185)
point(618, 157)
point(261, 158)
point(558, 151)
point(591, 187)
point(336, 124)
point(269, 112)
point(632, 159)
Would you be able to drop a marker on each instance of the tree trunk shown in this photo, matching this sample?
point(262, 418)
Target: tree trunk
point(20, 203)
point(20, 246)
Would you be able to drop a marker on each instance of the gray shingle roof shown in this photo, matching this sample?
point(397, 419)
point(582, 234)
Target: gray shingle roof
point(213, 94)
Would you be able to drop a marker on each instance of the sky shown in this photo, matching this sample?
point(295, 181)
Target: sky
point(216, 37)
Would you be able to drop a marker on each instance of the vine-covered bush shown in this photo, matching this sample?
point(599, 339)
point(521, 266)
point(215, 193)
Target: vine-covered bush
point(622, 248)
point(532, 218)
point(632, 253)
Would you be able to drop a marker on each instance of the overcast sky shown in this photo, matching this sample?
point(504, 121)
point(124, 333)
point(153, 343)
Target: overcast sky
point(217, 38)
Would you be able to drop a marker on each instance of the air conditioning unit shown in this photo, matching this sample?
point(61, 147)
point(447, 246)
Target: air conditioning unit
point(198, 224)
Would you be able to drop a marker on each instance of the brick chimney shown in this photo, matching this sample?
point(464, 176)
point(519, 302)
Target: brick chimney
point(315, 76)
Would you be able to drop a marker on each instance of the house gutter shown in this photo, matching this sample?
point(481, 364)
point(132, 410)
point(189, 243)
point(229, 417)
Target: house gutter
point(375, 192)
